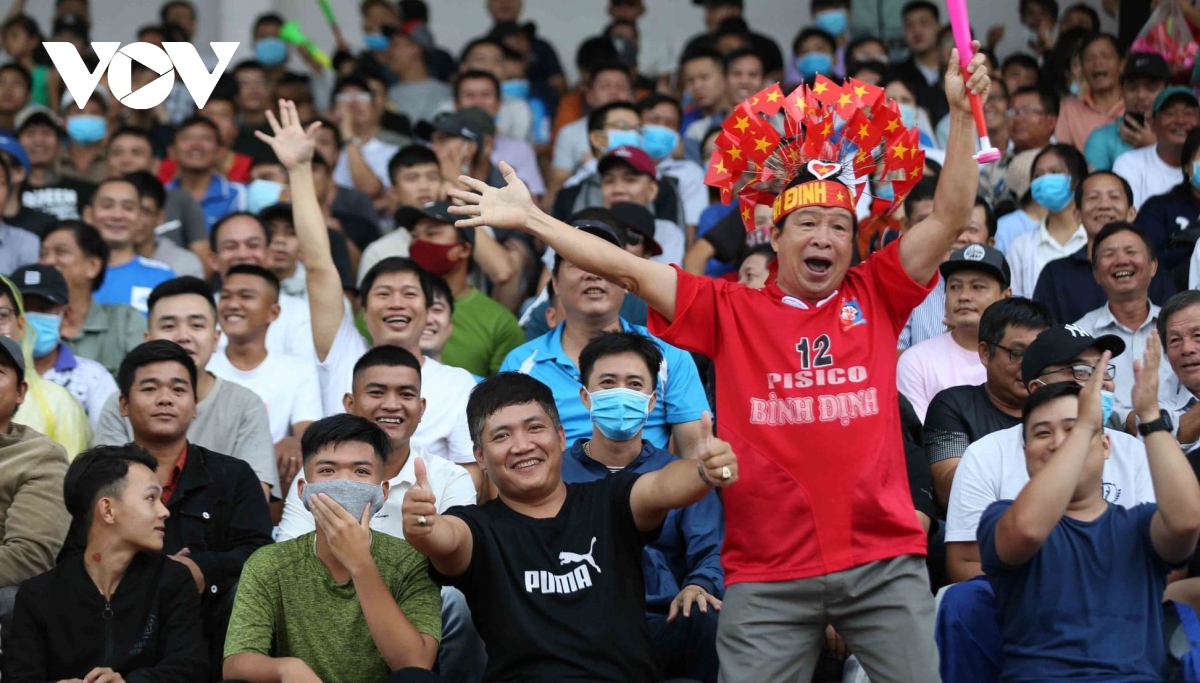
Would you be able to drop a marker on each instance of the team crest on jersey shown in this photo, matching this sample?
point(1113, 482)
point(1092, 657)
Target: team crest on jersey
point(851, 314)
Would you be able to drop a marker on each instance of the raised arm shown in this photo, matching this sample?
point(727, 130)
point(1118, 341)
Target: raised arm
point(293, 145)
point(683, 482)
point(1025, 526)
point(1176, 526)
point(926, 244)
point(446, 541)
point(512, 207)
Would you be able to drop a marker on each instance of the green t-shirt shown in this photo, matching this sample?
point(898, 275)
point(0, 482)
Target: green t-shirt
point(288, 605)
point(484, 333)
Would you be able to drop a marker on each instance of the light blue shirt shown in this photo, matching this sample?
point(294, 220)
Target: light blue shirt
point(680, 395)
point(223, 198)
point(1011, 225)
point(131, 283)
point(18, 247)
point(1104, 145)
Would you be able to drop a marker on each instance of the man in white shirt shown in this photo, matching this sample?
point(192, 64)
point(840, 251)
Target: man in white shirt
point(363, 163)
point(610, 83)
point(395, 297)
point(1123, 263)
point(1179, 329)
point(993, 468)
point(1156, 169)
point(975, 277)
point(286, 384)
point(387, 390)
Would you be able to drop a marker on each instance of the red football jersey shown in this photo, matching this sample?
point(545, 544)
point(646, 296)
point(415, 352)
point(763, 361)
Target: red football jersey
point(807, 398)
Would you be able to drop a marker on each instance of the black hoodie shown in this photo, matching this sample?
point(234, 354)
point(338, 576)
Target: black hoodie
point(149, 632)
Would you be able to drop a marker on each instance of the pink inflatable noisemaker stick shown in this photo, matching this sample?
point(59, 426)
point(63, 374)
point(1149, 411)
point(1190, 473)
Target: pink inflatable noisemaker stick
point(961, 25)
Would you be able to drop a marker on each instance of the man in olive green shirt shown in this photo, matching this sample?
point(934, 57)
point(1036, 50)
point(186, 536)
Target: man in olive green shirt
point(343, 603)
point(484, 330)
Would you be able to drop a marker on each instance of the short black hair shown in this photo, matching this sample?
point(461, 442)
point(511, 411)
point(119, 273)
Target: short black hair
point(1046, 394)
point(172, 4)
point(23, 21)
point(701, 51)
point(917, 5)
point(478, 42)
point(267, 18)
point(475, 75)
point(156, 351)
point(1096, 36)
point(181, 286)
point(438, 285)
point(923, 191)
point(1051, 6)
point(613, 343)
point(654, 99)
point(611, 66)
point(1124, 183)
point(501, 391)
point(597, 118)
point(192, 121)
point(812, 32)
point(90, 243)
point(1020, 59)
point(344, 428)
point(1115, 227)
point(386, 355)
point(1049, 99)
point(742, 53)
point(1016, 311)
point(394, 264)
point(256, 271)
point(111, 181)
point(409, 156)
point(264, 156)
point(1071, 157)
point(330, 126)
point(148, 185)
point(99, 472)
point(216, 228)
point(130, 131)
point(248, 65)
point(989, 214)
point(594, 52)
point(1191, 145)
point(1183, 300)
point(21, 71)
point(354, 80)
point(1093, 15)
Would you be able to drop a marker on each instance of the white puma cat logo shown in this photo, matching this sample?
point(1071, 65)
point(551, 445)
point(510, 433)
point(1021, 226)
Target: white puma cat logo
point(567, 558)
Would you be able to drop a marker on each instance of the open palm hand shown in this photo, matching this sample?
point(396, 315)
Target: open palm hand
point(292, 144)
point(508, 207)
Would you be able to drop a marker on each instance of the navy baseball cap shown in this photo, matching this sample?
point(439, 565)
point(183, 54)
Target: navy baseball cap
point(981, 258)
point(10, 146)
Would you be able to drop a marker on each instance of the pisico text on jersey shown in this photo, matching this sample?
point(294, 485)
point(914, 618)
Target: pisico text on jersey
point(820, 377)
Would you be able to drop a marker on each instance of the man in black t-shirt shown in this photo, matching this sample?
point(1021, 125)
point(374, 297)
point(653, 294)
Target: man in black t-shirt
point(553, 572)
point(959, 416)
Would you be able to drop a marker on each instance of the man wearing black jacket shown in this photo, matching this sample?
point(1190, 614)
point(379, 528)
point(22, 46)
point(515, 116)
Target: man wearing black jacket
point(121, 610)
point(218, 514)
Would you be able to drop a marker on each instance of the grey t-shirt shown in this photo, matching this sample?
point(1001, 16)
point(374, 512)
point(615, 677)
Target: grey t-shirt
point(420, 100)
point(183, 261)
point(231, 420)
point(184, 219)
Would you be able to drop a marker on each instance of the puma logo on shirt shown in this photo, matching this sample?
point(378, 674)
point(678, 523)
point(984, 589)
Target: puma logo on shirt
point(571, 582)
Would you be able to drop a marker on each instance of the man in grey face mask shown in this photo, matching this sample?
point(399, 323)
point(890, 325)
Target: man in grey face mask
point(375, 587)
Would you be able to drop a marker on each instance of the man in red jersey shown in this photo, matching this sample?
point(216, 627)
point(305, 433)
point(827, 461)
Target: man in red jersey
point(824, 532)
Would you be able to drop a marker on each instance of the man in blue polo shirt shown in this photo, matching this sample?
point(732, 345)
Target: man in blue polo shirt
point(682, 568)
point(591, 306)
point(115, 210)
point(197, 151)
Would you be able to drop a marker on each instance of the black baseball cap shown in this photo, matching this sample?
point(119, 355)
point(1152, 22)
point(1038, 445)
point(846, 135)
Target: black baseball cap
point(471, 123)
point(11, 350)
point(438, 211)
point(43, 281)
point(1060, 344)
point(638, 219)
point(1146, 64)
point(593, 227)
point(978, 257)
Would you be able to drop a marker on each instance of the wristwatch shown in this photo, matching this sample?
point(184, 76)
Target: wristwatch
point(1162, 424)
point(356, 141)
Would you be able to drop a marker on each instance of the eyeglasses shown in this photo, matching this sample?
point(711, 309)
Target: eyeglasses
point(633, 239)
point(621, 125)
point(6, 315)
point(1024, 111)
point(1014, 355)
point(348, 97)
point(1082, 372)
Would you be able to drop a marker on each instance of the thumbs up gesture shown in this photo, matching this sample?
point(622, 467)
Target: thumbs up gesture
point(717, 461)
point(419, 509)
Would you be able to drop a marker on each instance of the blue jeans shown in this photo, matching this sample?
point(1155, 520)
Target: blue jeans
point(687, 646)
point(461, 656)
point(968, 633)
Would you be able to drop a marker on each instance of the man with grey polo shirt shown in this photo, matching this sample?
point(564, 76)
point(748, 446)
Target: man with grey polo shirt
point(993, 468)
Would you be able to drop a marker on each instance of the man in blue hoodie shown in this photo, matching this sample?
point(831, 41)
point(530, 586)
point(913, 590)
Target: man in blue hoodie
point(684, 579)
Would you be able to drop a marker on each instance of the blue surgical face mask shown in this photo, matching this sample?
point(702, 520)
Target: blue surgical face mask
point(1195, 179)
point(516, 88)
point(1074, 88)
point(376, 42)
point(1107, 399)
point(270, 51)
point(908, 114)
point(86, 129)
point(885, 192)
point(616, 138)
point(46, 326)
point(832, 22)
point(1053, 191)
point(813, 63)
point(262, 193)
point(619, 414)
point(659, 141)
